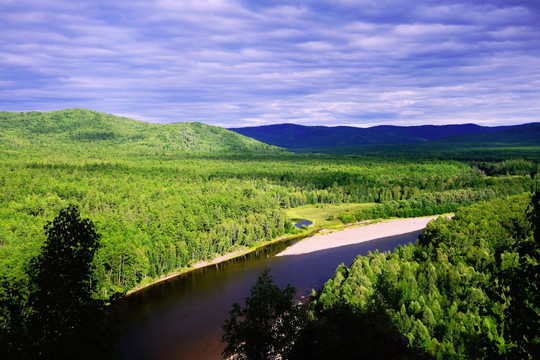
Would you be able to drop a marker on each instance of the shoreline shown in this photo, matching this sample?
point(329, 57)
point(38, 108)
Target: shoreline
point(314, 234)
point(358, 234)
point(217, 260)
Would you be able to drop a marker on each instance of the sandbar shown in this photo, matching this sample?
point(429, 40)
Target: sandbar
point(357, 234)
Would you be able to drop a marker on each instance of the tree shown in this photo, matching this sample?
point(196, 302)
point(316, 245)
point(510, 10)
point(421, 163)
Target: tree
point(13, 296)
point(267, 326)
point(523, 281)
point(65, 320)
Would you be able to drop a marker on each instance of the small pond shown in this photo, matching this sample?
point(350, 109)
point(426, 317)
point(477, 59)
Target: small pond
point(303, 222)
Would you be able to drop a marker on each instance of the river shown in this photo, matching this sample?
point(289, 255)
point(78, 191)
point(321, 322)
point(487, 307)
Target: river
point(181, 318)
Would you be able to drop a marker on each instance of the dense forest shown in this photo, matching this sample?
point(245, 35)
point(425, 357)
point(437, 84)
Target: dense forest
point(162, 203)
point(163, 197)
point(467, 289)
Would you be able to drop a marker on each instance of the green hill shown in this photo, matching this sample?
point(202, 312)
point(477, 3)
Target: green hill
point(88, 131)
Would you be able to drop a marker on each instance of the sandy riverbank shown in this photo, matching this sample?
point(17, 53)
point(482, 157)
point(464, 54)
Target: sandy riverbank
point(347, 236)
point(358, 234)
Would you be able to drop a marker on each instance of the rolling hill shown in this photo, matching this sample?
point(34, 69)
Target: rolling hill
point(88, 130)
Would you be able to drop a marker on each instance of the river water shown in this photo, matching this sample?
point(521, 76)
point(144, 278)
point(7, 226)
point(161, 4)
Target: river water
point(181, 318)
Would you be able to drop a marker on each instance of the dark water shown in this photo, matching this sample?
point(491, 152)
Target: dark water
point(303, 222)
point(182, 317)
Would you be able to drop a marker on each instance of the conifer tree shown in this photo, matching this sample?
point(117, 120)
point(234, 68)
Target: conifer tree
point(65, 320)
point(267, 326)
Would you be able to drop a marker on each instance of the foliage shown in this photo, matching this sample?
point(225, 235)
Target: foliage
point(13, 310)
point(343, 332)
point(467, 289)
point(522, 282)
point(80, 128)
point(510, 166)
point(324, 215)
point(162, 206)
point(167, 196)
point(423, 205)
point(267, 326)
point(62, 319)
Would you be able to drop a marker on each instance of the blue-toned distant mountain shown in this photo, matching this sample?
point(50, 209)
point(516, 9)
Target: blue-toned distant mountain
point(347, 139)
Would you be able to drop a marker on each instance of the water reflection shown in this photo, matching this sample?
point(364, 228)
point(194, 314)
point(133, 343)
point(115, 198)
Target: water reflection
point(181, 318)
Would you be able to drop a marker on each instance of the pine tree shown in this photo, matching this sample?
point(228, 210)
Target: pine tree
point(65, 320)
point(267, 326)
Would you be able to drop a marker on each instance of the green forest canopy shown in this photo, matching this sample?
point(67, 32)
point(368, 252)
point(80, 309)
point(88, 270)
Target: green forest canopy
point(467, 289)
point(166, 196)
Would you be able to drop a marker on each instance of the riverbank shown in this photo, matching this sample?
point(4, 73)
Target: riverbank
point(357, 234)
point(324, 239)
point(217, 260)
point(185, 315)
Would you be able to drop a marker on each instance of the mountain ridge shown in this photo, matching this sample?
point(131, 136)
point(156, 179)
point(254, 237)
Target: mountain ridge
point(294, 136)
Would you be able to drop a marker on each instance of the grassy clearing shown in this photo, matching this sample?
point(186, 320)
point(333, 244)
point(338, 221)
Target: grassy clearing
point(324, 215)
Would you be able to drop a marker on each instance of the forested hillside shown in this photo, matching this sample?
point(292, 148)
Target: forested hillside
point(468, 289)
point(85, 130)
point(161, 205)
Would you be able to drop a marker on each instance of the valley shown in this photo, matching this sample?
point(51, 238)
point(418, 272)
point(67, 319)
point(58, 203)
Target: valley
point(167, 198)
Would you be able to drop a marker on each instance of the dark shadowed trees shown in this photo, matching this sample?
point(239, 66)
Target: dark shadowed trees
point(267, 326)
point(65, 320)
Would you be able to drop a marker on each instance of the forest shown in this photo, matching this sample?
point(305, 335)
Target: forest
point(161, 209)
point(467, 289)
point(164, 197)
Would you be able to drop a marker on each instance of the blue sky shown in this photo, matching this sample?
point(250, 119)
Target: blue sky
point(244, 63)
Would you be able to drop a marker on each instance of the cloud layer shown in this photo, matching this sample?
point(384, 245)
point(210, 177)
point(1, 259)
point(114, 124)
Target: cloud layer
point(240, 63)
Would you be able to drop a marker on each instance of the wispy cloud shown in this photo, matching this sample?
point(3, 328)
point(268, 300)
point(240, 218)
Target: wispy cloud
point(236, 63)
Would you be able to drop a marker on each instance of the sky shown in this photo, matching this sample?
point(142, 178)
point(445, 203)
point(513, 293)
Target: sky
point(247, 63)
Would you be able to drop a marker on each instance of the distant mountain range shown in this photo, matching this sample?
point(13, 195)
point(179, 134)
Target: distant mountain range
point(350, 139)
point(80, 131)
